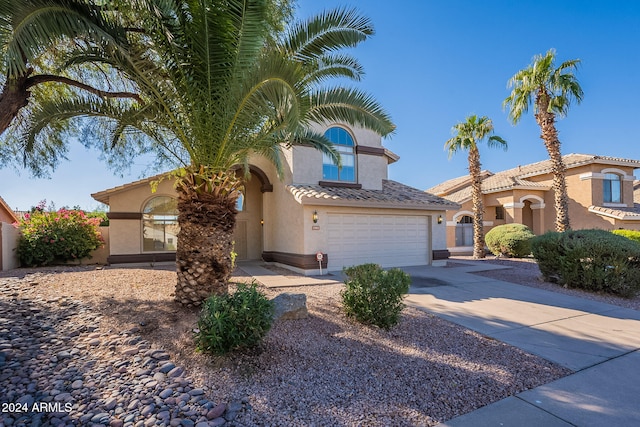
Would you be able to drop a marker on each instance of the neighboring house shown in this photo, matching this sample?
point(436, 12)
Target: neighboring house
point(8, 237)
point(6, 213)
point(351, 215)
point(600, 189)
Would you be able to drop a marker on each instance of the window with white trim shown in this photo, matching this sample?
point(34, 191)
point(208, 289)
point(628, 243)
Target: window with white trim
point(343, 143)
point(160, 224)
point(612, 188)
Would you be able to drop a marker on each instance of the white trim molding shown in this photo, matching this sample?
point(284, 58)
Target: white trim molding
point(540, 200)
point(513, 205)
point(615, 205)
point(601, 174)
point(462, 213)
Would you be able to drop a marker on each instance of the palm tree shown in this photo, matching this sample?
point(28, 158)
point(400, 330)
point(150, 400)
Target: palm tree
point(218, 86)
point(552, 90)
point(36, 37)
point(467, 136)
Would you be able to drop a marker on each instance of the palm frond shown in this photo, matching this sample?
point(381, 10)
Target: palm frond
point(350, 106)
point(329, 31)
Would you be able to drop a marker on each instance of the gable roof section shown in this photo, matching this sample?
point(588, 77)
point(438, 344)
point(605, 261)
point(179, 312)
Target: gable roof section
point(104, 195)
point(516, 178)
point(10, 213)
point(393, 195)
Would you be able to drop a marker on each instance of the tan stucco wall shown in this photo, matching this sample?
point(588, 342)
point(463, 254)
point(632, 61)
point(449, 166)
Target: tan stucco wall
point(370, 169)
point(126, 234)
point(283, 220)
point(9, 236)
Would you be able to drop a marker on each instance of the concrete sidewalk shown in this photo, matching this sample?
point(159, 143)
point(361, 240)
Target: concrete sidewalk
point(598, 341)
point(271, 279)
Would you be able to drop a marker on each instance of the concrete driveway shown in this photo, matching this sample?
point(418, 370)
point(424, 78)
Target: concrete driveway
point(598, 341)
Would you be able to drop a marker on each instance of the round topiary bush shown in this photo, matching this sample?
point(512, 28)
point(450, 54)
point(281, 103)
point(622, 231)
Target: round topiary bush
point(594, 260)
point(511, 240)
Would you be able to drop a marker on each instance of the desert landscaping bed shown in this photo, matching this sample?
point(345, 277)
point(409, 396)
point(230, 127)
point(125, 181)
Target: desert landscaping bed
point(129, 359)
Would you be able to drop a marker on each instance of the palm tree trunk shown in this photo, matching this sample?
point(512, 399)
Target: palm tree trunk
point(478, 208)
point(549, 134)
point(205, 242)
point(14, 96)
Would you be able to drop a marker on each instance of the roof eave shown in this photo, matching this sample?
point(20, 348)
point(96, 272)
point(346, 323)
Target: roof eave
point(313, 201)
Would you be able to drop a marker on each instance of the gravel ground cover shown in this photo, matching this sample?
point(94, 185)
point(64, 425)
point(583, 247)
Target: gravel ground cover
point(113, 346)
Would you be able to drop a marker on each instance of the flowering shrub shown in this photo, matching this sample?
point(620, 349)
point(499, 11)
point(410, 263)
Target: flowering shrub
point(57, 237)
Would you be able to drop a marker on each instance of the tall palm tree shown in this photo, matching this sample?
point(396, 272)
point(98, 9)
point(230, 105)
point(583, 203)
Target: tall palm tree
point(35, 38)
point(551, 90)
point(218, 86)
point(467, 136)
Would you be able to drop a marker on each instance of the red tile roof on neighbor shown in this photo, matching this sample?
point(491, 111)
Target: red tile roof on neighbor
point(624, 214)
point(459, 189)
point(393, 195)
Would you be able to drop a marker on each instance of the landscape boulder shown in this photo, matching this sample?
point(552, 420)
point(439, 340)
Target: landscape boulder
point(289, 306)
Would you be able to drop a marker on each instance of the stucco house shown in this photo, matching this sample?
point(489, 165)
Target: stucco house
point(8, 237)
point(351, 215)
point(600, 189)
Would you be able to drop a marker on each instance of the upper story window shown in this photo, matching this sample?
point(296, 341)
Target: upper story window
point(160, 224)
point(612, 188)
point(344, 144)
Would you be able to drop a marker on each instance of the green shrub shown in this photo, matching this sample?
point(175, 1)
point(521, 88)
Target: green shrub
point(511, 240)
point(57, 237)
point(594, 260)
point(629, 234)
point(234, 321)
point(373, 295)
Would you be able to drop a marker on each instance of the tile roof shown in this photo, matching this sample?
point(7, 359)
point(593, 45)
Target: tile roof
point(516, 177)
point(627, 214)
point(393, 195)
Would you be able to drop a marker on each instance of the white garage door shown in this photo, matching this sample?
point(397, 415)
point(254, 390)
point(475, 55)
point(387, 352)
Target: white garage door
point(388, 240)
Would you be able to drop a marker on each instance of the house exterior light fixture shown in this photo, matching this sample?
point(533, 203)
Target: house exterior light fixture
point(315, 217)
point(439, 219)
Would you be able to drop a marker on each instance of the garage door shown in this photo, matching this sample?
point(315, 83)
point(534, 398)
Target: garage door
point(388, 240)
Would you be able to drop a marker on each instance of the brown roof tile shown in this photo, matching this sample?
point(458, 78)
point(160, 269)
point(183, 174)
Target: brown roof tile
point(393, 194)
point(516, 177)
point(631, 213)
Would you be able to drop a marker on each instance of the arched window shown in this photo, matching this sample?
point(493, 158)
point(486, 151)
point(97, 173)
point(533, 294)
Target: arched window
point(612, 188)
point(240, 202)
point(344, 144)
point(160, 224)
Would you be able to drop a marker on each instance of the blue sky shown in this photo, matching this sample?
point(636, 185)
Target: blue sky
point(431, 64)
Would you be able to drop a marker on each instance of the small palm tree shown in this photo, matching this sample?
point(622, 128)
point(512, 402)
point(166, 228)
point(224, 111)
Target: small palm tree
point(467, 136)
point(551, 90)
point(219, 85)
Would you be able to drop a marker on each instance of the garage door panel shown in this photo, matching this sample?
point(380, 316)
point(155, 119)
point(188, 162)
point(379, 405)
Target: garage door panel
point(388, 240)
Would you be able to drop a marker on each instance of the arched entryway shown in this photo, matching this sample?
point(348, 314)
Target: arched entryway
point(248, 234)
point(532, 213)
point(464, 230)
